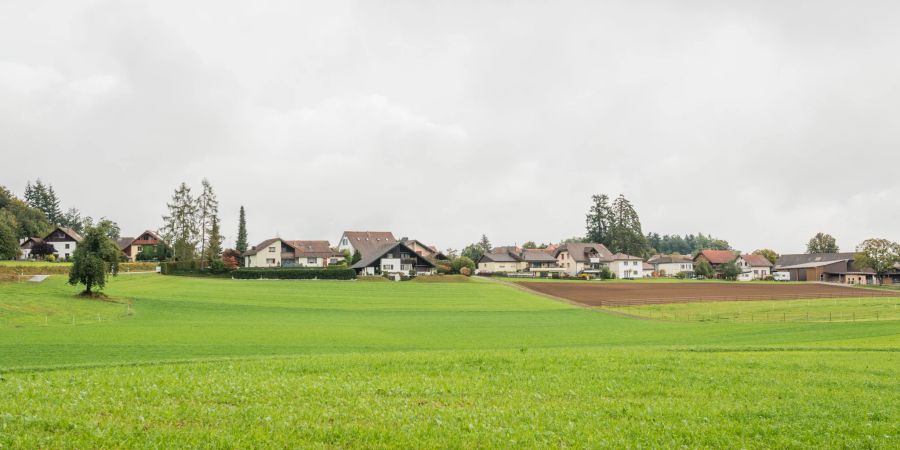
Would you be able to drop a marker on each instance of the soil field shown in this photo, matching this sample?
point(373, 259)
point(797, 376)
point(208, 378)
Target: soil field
point(624, 294)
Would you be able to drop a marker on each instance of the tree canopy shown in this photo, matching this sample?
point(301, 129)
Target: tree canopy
point(822, 243)
point(880, 255)
point(95, 257)
point(688, 244)
point(768, 253)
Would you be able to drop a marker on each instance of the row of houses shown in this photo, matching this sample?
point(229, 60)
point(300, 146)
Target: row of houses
point(62, 241)
point(380, 252)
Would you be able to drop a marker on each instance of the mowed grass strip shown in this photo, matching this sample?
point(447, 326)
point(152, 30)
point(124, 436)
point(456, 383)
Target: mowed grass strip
point(805, 310)
point(452, 399)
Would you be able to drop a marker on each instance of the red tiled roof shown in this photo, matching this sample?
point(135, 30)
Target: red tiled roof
point(717, 256)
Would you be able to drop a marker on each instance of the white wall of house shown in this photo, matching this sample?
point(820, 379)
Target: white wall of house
point(311, 262)
point(623, 268)
point(64, 249)
point(265, 257)
point(671, 269)
point(569, 264)
point(750, 272)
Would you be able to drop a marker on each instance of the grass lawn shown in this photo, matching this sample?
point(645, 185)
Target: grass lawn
point(195, 362)
point(814, 310)
point(33, 263)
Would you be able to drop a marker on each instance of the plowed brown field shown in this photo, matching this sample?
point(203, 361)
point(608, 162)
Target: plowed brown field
point(625, 294)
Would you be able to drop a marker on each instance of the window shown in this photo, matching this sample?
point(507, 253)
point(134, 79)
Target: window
point(345, 242)
point(67, 246)
point(270, 260)
point(387, 267)
point(404, 256)
point(310, 260)
point(389, 256)
point(271, 249)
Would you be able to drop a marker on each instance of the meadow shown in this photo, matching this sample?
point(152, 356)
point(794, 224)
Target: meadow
point(195, 362)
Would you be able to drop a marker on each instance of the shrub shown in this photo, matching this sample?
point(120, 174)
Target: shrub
point(50, 258)
point(681, 275)
point(606, 274)
point(465, 271)
point(294, 274)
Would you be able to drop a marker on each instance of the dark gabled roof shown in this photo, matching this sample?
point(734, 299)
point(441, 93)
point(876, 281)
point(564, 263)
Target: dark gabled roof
point(671, 259)
point(579, 251)
point(717, 256)
point(32, 240)
point(811, 258)
point(311, 249)
point(368, 241)
point(377, 253)
point(258, 248)
point(537, 255)
point(70, 233)
point(500, 257)
point(124, 242)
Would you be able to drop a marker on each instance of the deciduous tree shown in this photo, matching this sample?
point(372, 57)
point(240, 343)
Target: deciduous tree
point(95, 257)
point(822, 243)
point(768, 253)
point(704, 268)
point(880, 255)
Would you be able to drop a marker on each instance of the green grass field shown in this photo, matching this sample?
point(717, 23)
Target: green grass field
point(193, 362)
point(806, 310)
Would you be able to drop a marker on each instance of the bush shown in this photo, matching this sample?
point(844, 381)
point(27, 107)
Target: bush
point(50, 258)
point(606, 274)
point(294, 274)
point(465, 271)
point(681, 275)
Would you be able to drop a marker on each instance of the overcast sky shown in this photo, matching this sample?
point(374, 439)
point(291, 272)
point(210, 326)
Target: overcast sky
point(758, 122)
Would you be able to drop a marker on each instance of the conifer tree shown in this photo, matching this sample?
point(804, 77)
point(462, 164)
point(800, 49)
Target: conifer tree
point(207, 211)
point(180, 225)
point(598, 222)
point(241, 241)
point(214, 250)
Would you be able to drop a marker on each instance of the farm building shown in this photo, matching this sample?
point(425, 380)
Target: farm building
point(827, 267)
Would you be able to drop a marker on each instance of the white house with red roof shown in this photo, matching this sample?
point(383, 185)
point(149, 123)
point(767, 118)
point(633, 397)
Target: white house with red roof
point(753, 267)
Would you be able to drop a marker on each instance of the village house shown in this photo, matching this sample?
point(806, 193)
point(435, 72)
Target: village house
point(64, 240)
point(527, 262)
point(277, 252)
point(671, 265)
point(649, 270)
point(392, 258)
point(132, 247)
point(421, 249)
point(827, 267)
point(626, 266)
point(753, 267)
point(587, 258)
point(715, 258)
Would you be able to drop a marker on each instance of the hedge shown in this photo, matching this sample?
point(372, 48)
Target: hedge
point(48, 268)
point(294, 274)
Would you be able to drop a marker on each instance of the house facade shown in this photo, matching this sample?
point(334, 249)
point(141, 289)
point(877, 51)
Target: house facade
point(422, 249)
point(132, 247)
point(393, 258)
point(626, 266)
point(583, 258)
point(753, 267)
point(671, 265)
point(64, 240)
point(529, 262)
point(277, 252)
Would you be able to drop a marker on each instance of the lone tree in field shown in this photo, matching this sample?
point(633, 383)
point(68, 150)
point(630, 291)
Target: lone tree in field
point(880, 255)
point(822, 243)
point(94, 258)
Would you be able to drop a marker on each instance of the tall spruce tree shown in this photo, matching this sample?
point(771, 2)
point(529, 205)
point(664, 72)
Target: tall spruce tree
point(180, 225)
point(241, 241)
point(207, 214)
point(42, 196)
point(485, 243)
point(625, 229)
point(214, 250)
point(599, 220)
